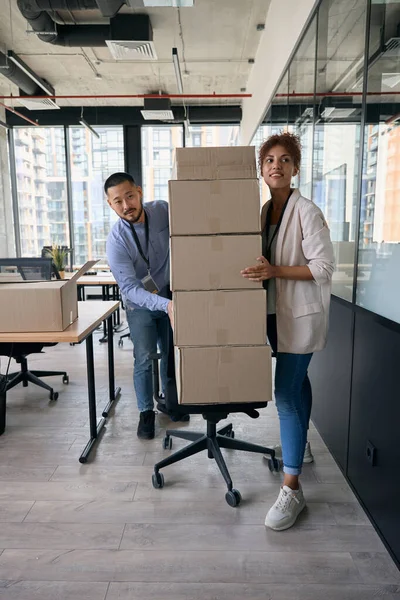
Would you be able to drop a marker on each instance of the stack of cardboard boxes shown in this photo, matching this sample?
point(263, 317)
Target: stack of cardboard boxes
point(220, 318)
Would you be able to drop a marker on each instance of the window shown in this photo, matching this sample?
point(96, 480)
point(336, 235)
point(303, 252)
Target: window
point(158, 145)
point(378, 269)
point(92, 161)
point(212, 135)
point(41, 188)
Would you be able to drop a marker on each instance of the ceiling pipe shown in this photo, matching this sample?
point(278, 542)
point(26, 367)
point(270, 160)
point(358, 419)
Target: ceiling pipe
point(127, 96)
point(17, 76)
point(10, 109)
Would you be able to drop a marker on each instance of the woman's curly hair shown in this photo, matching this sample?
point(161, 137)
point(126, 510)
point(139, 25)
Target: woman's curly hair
point(289, 141)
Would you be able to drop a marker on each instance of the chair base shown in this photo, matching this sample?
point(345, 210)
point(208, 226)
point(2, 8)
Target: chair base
point(212, 441)
point(25, 376)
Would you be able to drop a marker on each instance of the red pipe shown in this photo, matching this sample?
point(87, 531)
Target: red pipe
point(328, 94)
point(101, 96)
point(19, 114)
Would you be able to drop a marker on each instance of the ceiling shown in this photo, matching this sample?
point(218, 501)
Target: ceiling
point(215, 40)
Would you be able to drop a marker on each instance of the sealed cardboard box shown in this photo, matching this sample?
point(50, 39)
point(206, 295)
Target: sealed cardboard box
point(210, 207)
point(223, 375)
point(229, 162)
point(220, 318)
point(213, 262)
point(40, 305)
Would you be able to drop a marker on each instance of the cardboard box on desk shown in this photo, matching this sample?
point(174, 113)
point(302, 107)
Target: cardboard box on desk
point(238, 162)
point(220, 318)
point(211, 207)
point(213, 262)
point(223, 375)
point(31, 306)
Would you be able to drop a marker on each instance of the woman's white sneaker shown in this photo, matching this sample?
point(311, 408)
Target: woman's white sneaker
point(284, 512)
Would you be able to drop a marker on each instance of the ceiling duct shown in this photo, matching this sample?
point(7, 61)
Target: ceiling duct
point(29, 84)
point(135, 29)
point(157, 109)
point(131, 38)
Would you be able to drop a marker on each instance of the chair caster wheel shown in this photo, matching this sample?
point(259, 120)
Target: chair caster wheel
point(66, 379)
point(157, 480)
point(231, 434)
point(53, 395)
point(120, 343)
point(233, 497)
point(274, 465)
point(167, 442)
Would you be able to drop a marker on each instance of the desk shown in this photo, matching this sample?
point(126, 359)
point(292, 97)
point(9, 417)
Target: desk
point(91, 314)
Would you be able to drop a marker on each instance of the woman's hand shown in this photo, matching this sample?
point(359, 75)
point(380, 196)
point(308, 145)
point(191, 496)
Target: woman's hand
point(259, 272)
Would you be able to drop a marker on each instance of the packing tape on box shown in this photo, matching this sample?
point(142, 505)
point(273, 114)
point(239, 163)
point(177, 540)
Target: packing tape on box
point(215, 187)
point(214, 224)
point(217, 244)
point(214, 279)
point(218, 299)
point(224, 395)
point(226, 356)
point(222, 337)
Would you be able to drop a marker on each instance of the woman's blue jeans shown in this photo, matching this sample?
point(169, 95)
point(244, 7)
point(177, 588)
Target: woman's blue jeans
point(293, 399)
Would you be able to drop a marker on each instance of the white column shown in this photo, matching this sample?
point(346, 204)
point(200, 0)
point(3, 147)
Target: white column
point(7, 243)
point(284, 25)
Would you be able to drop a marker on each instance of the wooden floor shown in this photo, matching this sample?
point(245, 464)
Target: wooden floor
point(100, 531)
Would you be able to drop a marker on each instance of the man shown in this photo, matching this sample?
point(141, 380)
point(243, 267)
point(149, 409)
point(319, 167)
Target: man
point(138, 255)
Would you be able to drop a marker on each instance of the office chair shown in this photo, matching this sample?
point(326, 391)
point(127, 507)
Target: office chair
point(29, 269)
point(213, 440)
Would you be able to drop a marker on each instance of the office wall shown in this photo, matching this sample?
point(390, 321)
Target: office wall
point(7, 244)
point(341, 95)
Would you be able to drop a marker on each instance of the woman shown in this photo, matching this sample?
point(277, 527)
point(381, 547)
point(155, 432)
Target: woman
point(296, 268)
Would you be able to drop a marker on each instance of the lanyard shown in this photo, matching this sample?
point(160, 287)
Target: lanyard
point(137, 242)
point(267, 226)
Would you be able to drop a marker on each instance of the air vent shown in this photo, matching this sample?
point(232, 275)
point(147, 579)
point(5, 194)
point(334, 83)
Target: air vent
point(157, 115)
point(32, 103)
point(124, 50)
point(157, 109)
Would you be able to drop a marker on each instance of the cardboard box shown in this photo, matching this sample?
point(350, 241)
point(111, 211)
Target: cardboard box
point(40, 305)
point(210, 207)
point(220, 318)
point(213, 262)
point(231, 162)
point(223, 375)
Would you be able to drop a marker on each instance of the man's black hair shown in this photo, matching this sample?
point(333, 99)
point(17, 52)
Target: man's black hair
point(116, 179)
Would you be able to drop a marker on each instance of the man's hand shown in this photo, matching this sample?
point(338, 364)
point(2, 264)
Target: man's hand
point(259, 272)
point(170, 309)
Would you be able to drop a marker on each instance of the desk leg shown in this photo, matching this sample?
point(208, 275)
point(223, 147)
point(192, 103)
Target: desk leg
point(114, 392)
point(94, 427)
point(105, 296)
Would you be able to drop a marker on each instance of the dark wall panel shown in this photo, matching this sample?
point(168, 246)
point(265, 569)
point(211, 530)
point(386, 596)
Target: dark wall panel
point(375, 423)
point(330, 374)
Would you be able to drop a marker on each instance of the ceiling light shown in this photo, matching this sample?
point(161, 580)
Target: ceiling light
point(177, 68)
point(88, 127)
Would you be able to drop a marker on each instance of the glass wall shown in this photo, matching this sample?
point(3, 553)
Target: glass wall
point(158, 145)
point(41, 188)
point(92, 160)
point(378, 269)
point(349, 126)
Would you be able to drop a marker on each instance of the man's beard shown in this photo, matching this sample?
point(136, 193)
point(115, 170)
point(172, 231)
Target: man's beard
point(134, 219)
